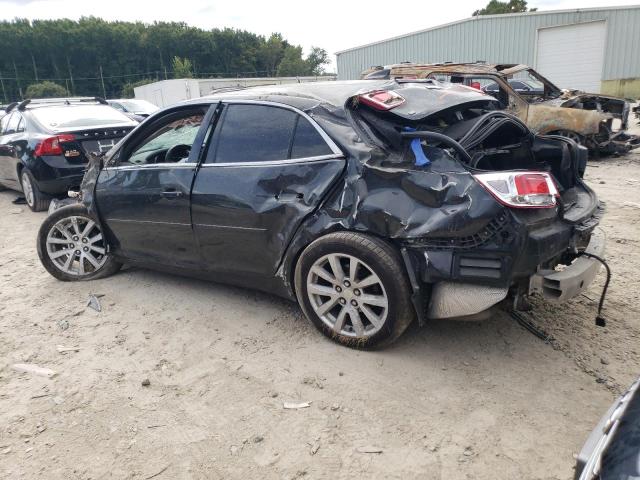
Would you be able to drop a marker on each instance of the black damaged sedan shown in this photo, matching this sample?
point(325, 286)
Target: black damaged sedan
point(371, 203)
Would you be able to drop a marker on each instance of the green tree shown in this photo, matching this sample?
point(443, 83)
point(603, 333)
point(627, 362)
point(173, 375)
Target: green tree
point(182, 67)
point(316, 60)
point(71, 53)
point(128, 88)
point(495, 7)
point(45, 89)
point(270, 54)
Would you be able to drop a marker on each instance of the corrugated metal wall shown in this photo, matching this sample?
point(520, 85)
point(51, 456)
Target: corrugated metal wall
point(502, 39)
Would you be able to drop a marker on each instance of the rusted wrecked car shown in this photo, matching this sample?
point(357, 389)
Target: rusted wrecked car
point(371, 203)
point(596, 121)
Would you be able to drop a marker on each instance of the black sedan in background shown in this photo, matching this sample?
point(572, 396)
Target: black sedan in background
point(44, 144)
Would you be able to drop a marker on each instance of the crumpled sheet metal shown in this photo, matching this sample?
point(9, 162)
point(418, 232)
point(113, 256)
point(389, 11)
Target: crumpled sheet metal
point(544, 119)
point(88, 185)
point(390, 198)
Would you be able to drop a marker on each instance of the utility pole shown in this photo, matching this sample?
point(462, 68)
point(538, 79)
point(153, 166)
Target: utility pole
point(15, 69)
point(73, 86)
point(35, 69)
point(166, 77)
point(4, 92)
point(104, 91)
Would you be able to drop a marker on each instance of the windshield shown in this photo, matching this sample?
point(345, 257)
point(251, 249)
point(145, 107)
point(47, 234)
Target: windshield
point(80, 116)
point(525, 79)
point(178, 132)
point(138, 106)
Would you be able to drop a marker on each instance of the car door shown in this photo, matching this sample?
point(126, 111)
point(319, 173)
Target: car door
point(143, 193)
point(12, 145)
point(4, 121)
point(267, 167)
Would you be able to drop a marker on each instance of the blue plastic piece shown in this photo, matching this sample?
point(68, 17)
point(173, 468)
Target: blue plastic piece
point(416, 148)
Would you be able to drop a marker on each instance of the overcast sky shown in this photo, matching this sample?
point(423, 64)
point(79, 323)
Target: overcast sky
point(331, 24)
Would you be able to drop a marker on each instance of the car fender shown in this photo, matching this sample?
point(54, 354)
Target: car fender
point(543, 119)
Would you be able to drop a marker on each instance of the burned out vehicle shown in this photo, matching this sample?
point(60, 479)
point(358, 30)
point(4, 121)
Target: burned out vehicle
point(596, 121)
point(371, 203)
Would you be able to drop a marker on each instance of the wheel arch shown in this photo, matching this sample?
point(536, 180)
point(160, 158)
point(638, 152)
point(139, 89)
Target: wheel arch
point(288, 267)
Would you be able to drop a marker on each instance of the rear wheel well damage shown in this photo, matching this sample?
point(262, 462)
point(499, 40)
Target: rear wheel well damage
point(366, 266)
point(296, 249)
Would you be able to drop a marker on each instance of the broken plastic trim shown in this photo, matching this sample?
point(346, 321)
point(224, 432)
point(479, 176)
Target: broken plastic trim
point(418, 152)
point(450, 142)
point(382, 99)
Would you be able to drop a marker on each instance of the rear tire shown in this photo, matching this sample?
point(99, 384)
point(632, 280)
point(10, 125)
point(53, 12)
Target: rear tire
point(354, 289)
point(576, 137)
point(71, 246)
point(36, 200)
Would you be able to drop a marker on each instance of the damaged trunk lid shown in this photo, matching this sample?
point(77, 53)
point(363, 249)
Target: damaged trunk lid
point(437, 120)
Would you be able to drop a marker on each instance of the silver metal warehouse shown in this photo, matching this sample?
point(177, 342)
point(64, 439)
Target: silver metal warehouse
point(593, 49)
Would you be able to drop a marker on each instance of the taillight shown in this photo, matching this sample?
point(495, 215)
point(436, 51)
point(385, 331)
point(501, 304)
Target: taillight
point(382, 99)
point(51, 145)
point(521, 189)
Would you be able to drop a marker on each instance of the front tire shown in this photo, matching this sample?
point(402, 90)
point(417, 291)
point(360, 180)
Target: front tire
point(71, 246)
point(354, 289)
point(36, 200)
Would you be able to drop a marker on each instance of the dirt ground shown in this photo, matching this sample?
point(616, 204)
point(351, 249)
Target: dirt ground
point(451, 400)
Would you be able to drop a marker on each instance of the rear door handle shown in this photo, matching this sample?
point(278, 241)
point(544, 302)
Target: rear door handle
point(172, 193)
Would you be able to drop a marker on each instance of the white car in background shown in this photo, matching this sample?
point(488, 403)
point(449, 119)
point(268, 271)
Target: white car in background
point(133, 108)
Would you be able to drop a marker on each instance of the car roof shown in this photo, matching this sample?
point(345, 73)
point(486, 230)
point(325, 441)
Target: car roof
point(334, 93)
point(472, 67)
point(425, 96)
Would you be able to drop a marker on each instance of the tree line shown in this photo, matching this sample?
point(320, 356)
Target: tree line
point(95, 57)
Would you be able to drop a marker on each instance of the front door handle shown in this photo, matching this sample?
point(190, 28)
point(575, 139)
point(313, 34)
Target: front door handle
point(172, 193)
point(289, 196)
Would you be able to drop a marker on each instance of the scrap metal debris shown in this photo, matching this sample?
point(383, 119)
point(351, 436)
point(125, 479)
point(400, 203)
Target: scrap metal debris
point(63, 349)
point(34, 369)
point(296, 406)
point(94, 303)
point(369, 449)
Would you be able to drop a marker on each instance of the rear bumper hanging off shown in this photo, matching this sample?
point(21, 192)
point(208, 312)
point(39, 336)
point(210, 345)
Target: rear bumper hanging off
point(573, 279)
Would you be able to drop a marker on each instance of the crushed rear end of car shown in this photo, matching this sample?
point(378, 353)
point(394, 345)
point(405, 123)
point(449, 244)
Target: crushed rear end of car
point(482, 209)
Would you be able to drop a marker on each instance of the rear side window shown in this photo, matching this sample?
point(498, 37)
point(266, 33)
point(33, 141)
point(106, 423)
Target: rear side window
point(307, 142)
point(3, 123)
point(253, 133)
point(13, 125)
point(263, 133)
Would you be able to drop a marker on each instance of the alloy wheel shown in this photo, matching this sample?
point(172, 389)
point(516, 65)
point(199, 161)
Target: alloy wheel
point(27, 189)
point(75, 246)
point(347, 295)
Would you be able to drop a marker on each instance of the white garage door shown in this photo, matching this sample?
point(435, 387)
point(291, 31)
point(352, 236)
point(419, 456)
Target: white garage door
point(571, 56)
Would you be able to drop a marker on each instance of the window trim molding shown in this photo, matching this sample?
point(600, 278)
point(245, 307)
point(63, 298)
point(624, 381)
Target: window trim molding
point(266, 163)
point(337, 153)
